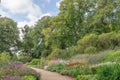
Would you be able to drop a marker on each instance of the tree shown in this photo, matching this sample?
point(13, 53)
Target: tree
point(39, 38)
point(69, 25)
point(76, 19)
point(105, 17)
point(26, 45)
point(9, 34)
point(33, 41)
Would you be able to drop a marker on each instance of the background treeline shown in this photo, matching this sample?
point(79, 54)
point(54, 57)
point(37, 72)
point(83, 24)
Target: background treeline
point(81, 26)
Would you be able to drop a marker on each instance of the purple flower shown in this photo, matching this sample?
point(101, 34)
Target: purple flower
point(18, 65)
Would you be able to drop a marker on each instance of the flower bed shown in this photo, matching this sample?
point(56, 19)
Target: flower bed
point(16, 71)
point(71, 70)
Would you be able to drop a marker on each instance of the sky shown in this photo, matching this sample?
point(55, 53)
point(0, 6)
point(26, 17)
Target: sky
point(28, 11)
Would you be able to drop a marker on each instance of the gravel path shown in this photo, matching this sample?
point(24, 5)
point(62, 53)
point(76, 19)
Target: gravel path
point(47, 75)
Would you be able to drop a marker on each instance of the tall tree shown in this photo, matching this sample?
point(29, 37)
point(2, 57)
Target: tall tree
point(26, 45)
point(39, 38)
point(9, 34)
point(33, 43)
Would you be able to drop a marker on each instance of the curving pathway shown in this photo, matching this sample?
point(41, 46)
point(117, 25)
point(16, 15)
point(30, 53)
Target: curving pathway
point(47, 75)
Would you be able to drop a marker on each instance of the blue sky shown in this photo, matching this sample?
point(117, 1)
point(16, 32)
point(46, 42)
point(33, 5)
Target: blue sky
point(28, 11)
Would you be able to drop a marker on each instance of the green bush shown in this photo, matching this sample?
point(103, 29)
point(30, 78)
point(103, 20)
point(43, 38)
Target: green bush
point(77, 70)
point(105, 41)
point(24, 58)
point(73, 71)
point(56, 68)
point(64, 54)
point(54, 53)
point(90, 50)
point(100, 42)
point(109, 72)
point(98, 58)
point(30, 77)
point(5, 57)
point(14, 57)
point(45, 53)
point(35, 62)
point(88, 40)
point(86, 77)
point(115, 56)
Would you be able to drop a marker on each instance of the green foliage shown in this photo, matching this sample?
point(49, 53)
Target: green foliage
point(109, 72)
point(45, 53)
point(33, 42)
point(80, 22)
point(30, 77)
point(115, 56)
point(5, 57)
point(24, 58)
point(97, 58)
point(56, 68)
point(42, 62)
point(90, 50)
point(89, 40)
point(35, 62)
point(105, 40)
point(27, 44)
point(64, 54)
point(8, 34)
point(14, 57)
point(73, 71)
point(86, 77)
point(100, 42)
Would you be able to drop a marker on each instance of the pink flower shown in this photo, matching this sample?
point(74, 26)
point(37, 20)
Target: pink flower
point(18, 65)
point(7, 70)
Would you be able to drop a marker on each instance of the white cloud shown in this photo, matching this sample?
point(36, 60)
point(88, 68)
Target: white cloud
point(46, 14)
point(23, 23)
point(58, 3)
point(33, 12)
point(32, 21)
point(20, 6)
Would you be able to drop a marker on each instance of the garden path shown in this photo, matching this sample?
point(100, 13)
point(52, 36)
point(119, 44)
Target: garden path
point(47, 75)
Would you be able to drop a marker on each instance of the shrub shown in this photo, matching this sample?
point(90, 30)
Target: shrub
point(24, 58)
point(29, 77)
point(105, 40)
point(109, 72)
point(5, 57)
point(45, 53)
point(14, 57)
point(88, 40)
point(16, 69)
point(100, 42)
point(98, 58)
point(90, 50)
point(54, 53)
point(35, 62)
point(64, 54)
point(86, 77)
point(115, 56)
point(73, 71)
point(56, 68)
